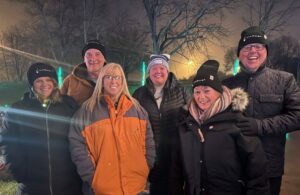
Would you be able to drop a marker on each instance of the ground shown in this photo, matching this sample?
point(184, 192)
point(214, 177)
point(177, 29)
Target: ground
point(291, 178)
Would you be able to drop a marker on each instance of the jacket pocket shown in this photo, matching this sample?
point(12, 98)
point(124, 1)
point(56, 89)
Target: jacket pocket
point(271, 98)
point(270, 104)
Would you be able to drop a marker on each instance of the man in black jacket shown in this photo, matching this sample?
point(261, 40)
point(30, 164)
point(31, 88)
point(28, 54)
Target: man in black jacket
point(274, 107)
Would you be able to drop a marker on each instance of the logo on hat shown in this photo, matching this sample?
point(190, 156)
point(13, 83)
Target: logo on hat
point(37, 71)
point(253, 36)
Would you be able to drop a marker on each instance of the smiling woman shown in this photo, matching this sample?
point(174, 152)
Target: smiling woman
point(35, 133)
point(123, 133)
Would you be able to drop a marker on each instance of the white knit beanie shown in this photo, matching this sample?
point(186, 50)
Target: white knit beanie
point(162, 59)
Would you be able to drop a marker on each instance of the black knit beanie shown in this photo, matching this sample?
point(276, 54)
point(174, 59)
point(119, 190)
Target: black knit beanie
point(38, 70)
point(250, 35)
point(94, 44)
point(207, 75)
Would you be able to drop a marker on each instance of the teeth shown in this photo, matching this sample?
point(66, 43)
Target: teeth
point(252, 58)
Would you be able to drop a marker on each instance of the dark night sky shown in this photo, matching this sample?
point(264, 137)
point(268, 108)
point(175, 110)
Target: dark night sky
point(11, 13)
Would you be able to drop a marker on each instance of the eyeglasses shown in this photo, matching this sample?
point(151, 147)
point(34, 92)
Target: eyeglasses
point(257, 47)
point(111, 77)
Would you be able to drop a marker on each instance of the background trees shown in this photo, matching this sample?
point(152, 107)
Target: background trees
point(55, 31)
point(272, 16)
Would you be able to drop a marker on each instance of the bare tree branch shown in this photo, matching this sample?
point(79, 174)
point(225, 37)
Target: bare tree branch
point(175, 24)
point(270, 15)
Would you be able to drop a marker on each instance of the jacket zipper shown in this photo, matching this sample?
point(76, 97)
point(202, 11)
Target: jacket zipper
point(49, 152)
point(117, 147)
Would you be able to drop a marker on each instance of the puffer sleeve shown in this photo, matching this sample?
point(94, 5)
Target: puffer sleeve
point(254, 164)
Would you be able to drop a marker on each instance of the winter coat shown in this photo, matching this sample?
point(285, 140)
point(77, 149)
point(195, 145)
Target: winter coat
point(226, 163)
point(275, 101)
point(162, 120)
point(113, 149)
point(77, 84)
point(37, 147)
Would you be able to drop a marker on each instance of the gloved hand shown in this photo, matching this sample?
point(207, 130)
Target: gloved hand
point(248, 125)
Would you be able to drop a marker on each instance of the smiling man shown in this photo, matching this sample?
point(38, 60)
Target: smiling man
point(81, 82)
point(274, 101)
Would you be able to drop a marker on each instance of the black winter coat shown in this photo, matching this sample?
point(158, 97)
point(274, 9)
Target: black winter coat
point(37, 147)
point(162, 120)
point(275, 100)
point(226, 163)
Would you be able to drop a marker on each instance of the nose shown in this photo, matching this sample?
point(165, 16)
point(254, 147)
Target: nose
point(201, 96)
point(92, 57)
point(253, 49)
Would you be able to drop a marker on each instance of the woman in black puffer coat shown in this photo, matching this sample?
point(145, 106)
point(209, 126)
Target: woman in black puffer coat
point(162, 96)
point(212, 156)
point(36, 137)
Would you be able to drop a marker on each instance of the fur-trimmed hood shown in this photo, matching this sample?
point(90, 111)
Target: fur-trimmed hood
point(240, 99)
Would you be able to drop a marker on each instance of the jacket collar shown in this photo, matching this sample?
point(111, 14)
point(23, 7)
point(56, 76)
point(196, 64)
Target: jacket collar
point(124, 104)
point(260, 70)
point(239, 104)
point(80, 71)
point(170, 84)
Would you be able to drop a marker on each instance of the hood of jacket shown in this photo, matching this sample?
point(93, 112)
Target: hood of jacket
point(80, 71)
point(240, 101)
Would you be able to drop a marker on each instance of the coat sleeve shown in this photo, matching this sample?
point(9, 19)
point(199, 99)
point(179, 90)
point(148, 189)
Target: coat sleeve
point(176, 178)
point(12, 142)
point(289, 120)
point(254, 164)
point(79, 150)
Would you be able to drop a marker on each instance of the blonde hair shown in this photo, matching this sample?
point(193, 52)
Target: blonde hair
point(109, 68)
point(56, 95)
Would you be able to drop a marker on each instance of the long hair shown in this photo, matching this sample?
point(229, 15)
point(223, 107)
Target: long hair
point(109, 68)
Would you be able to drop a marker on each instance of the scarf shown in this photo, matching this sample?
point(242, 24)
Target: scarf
point(218, 106)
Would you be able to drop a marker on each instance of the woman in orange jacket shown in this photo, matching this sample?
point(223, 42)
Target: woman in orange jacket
point(111, 138)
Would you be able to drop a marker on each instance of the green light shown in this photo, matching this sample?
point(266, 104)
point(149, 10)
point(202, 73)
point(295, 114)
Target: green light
point(143, 73)
point(235, 66)
point(60, 76)
point(287, 136)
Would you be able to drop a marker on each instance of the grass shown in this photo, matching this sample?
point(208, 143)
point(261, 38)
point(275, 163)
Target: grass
point(8, 187)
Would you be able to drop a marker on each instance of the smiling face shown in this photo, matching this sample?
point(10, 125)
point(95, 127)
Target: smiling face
point(112, 84)
point(158, 74)
point(252, 56)
point(205, 96)
point(43, 87)
point(94, 61)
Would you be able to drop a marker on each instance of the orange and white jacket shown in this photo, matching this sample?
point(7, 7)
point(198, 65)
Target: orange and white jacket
point(112, 149)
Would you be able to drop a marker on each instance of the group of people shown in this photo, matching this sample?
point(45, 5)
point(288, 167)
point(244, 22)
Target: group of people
point(92, 137)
